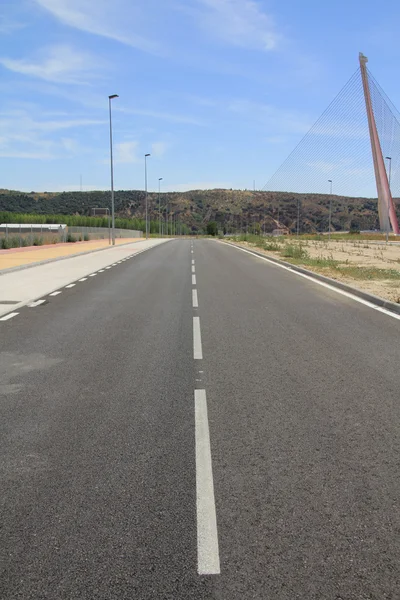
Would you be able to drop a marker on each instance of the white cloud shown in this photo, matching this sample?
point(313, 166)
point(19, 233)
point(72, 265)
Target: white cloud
point(126, 152)
point(158, 149)
point(173, 118)
point(60, 64)
point(275, 118)
point(114, 20)
point(240, 23)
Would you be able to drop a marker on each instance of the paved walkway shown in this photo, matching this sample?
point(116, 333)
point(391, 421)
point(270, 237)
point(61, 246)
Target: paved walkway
point(17, 257)
point(19, 287)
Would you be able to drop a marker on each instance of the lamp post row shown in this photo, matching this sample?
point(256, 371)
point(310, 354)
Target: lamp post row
point(145, 183)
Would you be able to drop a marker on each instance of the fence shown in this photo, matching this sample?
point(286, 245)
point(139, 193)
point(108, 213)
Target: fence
point(36, 234)
point(102, 233)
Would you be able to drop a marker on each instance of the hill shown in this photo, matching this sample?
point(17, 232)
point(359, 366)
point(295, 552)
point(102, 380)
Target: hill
point(231, 209)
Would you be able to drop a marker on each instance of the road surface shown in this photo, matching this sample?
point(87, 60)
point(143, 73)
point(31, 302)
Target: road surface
point(196, 422)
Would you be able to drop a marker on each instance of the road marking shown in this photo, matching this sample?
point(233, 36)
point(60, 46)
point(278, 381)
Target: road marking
point(55, 293)
point(113, 265)
point(9, 316)
point(93, 275)
point(195, 300)
point(70, 285)
point(197, 348)
point(207, 534)
point(191, 251)
point(193, 279)
point(108, 267)
point(387, 312)
point(83, 279)
point(193, 269)
point(35, 303)
point(193, 261)
point(326, 285)
point(101, 271)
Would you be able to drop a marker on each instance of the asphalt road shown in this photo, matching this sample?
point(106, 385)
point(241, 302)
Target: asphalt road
point(107, 489)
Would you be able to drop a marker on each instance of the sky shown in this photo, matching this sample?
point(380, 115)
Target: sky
point(217, 91)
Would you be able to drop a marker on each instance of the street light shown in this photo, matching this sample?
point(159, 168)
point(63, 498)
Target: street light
point(389, 158)
point(145, 186)
point(330, 208)
point(159, 202)
point(112, 171)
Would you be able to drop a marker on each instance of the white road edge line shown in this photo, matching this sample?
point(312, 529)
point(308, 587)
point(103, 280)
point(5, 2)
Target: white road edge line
point(70, 285)
point(93, 275)
point(195, 300)
point(108, 267)
point(197, 348)
point(193, 269)
point(193, 279)
point(36, 303)
point(326, 285)
point(83, 279)
point(207, 535)
point(101, 271)
point(55, 293)
point(9, 316)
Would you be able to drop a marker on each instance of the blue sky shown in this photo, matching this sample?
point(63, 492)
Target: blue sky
point(218, 91)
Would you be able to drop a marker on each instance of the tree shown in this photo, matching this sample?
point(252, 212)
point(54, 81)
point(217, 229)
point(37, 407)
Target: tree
point(212, 228)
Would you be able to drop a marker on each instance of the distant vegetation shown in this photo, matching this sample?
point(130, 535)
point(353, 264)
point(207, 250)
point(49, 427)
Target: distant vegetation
point(231, 210)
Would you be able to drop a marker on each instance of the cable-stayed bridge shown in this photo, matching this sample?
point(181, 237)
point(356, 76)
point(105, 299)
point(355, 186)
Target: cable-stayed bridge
point(352, 150)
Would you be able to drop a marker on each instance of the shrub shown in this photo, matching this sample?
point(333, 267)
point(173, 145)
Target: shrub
point(70, 238)
point(86, 237)
point(295, 251)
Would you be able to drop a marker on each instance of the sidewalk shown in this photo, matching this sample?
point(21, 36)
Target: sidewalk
point(17, 288)
point(17, 257)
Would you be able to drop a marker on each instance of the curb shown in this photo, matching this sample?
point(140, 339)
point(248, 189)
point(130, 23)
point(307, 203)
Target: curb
point(50, 260)
point(392, 306)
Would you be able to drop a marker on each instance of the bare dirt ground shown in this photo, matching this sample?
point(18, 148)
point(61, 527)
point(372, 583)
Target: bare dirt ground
point(366, 265)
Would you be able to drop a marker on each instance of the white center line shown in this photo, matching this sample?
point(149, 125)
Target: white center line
point(70, 285)
point(83, 279)
point(55, 293)
point(193, 279)
point(193, 269)
point(193, 261)
point(197, 348)
point(195, 300)
point(207, 534)
point(191, 251)
point(93, 275)
point(9, 316)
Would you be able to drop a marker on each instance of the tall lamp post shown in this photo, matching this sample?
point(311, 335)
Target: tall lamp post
point(159, 202)
point(145, 187)
point(112, 171)
point(389, 158)
point(330, 208)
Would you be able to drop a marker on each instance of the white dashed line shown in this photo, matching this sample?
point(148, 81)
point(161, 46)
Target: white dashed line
point(83, 279)
point(36, 303)
point(55, 293)
point(193, 261)
point(113, 265)
point(70, 285)
point(9, 316)
point(108, 267)
point(195, 300)
point(193, 279)
point(101, 271)
point(197, 348)
point(193, 269)
point(93, 275)
point(207, 534)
